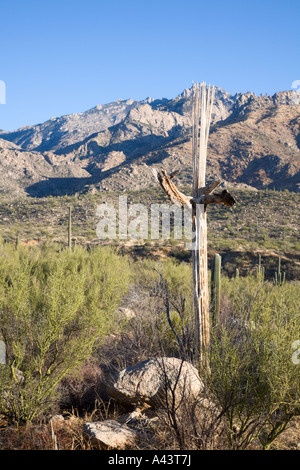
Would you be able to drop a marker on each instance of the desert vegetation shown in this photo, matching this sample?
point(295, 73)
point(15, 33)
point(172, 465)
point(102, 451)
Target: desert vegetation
point(71, 319)
point(240, 234)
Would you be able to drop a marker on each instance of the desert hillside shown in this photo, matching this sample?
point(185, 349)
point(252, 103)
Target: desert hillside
point(254, 143)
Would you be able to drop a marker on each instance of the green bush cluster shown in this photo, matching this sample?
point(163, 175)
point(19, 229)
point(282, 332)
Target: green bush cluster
point(253, 377)
point(56, 306)
point(54, 309)
point(252, 381)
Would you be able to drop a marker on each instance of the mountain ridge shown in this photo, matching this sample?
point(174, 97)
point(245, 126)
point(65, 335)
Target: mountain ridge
point(254, 142)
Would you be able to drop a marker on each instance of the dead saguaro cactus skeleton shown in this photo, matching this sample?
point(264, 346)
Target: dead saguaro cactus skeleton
point(202, 196)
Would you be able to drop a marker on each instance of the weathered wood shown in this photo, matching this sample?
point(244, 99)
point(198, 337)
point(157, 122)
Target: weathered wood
point(181, 199)
point(197, 207)
point(175, 196)
point(209, 189)
point(218, 198)
point(199, 253)
point(202, 196)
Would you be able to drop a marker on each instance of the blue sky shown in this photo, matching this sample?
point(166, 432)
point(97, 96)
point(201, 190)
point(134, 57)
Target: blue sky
point(61, 57)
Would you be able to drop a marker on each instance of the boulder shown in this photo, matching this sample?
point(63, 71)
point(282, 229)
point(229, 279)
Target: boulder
point(110, 434)
point(155, 380)
point(57, 421)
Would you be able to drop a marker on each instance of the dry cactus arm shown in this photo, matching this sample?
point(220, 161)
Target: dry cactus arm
point(206, 196)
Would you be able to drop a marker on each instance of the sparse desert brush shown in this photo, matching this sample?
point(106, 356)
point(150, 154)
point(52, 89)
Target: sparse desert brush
point(57, 305)
point(253, 378)
point(252, 384)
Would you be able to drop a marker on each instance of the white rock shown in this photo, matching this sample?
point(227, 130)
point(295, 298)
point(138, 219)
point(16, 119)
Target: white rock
point(149, 381)
point(110, 434)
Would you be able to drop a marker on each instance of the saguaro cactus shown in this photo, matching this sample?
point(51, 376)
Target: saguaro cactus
point(279, 277)
point(216, 288)
point(196, 204)
point(70, 229)
point(260, 270)
point(2, 352)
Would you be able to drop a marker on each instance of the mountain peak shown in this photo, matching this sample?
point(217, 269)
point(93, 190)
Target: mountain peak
point(254, 141)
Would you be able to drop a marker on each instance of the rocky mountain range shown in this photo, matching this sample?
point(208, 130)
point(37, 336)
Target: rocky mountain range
point(254, 142)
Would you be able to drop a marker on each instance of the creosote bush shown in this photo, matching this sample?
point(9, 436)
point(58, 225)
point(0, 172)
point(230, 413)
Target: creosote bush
point(253, 379)
point(57, 306)
point(253, 385)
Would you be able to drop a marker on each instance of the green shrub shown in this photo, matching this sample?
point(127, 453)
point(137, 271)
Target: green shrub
point(253, 378)
point(55, 308)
